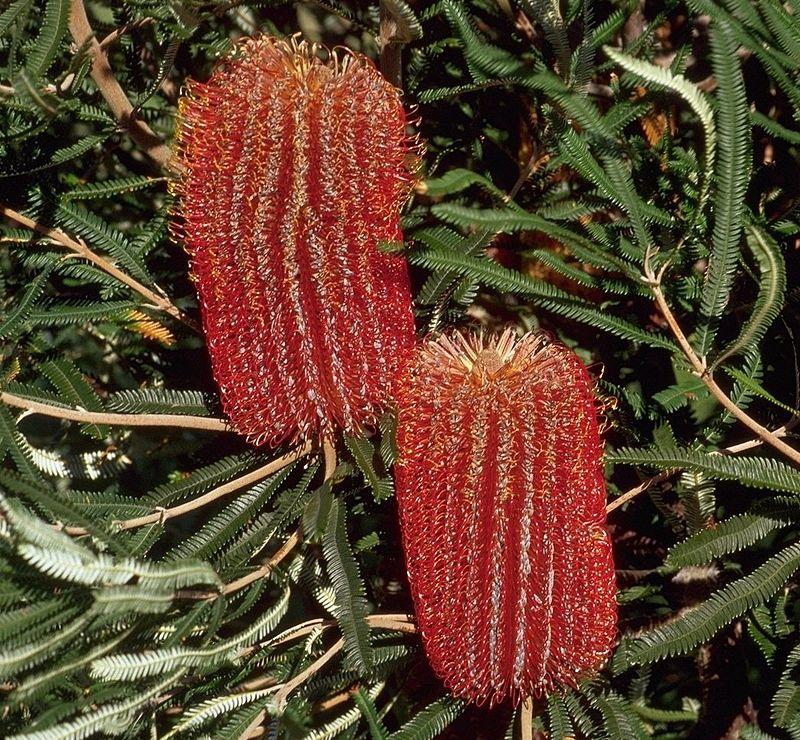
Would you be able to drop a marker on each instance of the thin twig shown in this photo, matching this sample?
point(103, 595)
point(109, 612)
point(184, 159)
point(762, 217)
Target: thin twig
point(532, 165)
point(334, 701)
point(159, 302)
point(641, 488)
point(751, 443)
point(294, 539)
point(204, 423)
point(329, 453)
point(701, 370)
point(118, 33)
point(164, 514)
point(666, 474)
point(254, 729)
point(391, 47)
point(379, 621)
point(267, 680)
point(282, 696)
point(392, 622)
point(110, 89)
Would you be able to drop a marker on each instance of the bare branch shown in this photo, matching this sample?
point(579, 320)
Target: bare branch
point(395, 622)
point(118, 33)
point(641, 488)
point(159, 302)
point(329, 453)
point(391, 49)
point(204, 423)
point(701, 370)
point(667, 474)
point(282, 695)
point(254, 729)
point(262, 572)
point(751, 443)
point(197, 503)
point(111, 90)
point(526, 720)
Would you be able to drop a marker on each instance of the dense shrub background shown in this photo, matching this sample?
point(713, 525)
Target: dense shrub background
point(622, 174)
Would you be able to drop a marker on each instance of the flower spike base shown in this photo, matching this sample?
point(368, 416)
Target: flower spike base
point(502, 504)
point(293, 169)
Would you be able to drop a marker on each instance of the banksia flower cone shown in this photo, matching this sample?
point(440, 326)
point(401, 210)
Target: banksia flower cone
point(292, 170)
point(502, 507)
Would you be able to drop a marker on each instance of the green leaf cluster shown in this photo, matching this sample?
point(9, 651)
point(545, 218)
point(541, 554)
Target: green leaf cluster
point(581, 160)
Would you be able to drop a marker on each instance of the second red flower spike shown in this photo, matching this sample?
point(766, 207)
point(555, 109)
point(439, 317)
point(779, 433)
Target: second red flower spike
point(502, 505)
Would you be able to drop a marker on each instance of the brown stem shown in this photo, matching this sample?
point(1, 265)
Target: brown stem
point(391, 47)
point(289, 635)
point(111, 90)
point(204, 423)
point(262, 572)
point(329, 453)
point(282, 696)
point(334, 701)
point(751, 443)
point(399, 622)
point(159, 302)
point(533, 164)
point(526, 720)
point(701, 370)
point(254, 729)
point(666, 474)
point(197, 503)
point(118, 33)
point(636, 490)
point(393, 622)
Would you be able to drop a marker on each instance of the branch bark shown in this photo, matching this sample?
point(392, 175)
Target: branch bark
point(197, 503)
point(391, 47)
point(667, 474)
point(394, 622)
point(110, 89)
point(159, 302)
point(701, 370)
point(329, 454)
point(262, 572)
point(526, 720)
point(203, 423)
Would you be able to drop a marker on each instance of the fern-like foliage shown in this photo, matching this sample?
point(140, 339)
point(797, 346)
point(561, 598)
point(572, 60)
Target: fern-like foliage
point(729, 536)
point(733, 174)
point(351, 605)
point(689, 630)
point(582, 166)
point(771, 292)
point(758, 472)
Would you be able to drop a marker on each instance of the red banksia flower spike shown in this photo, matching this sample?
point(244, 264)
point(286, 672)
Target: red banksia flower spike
point(502, 506)
point(292, 170)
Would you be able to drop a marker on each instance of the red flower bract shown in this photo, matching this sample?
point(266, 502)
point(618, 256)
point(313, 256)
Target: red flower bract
point(292, 170)
point(502, 505)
